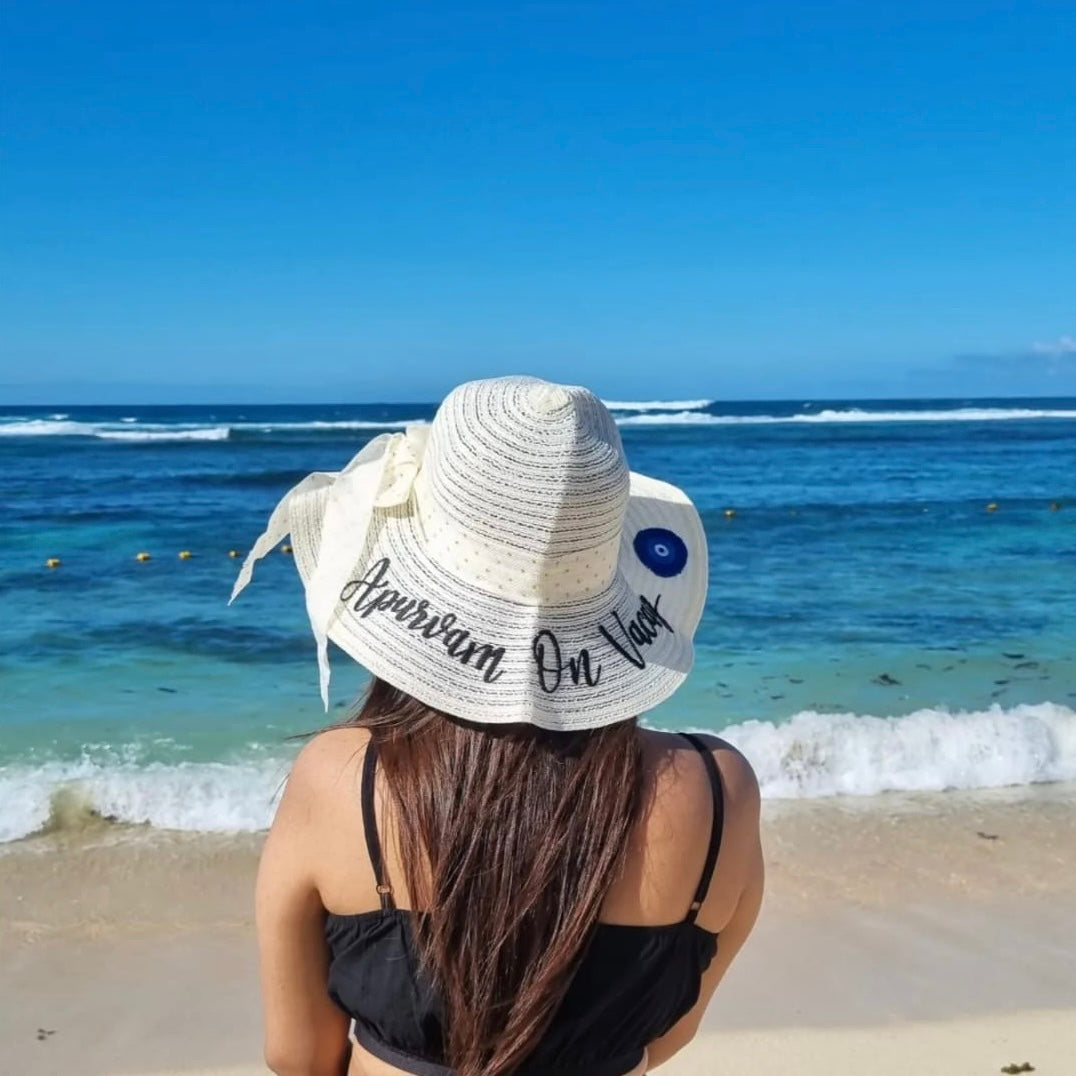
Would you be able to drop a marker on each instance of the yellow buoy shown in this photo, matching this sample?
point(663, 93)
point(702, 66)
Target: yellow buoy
point(234, 553)
point(730, 513)
point(52, 562)
point(991, 507)
point(142, 556)
point(285, 549)
point(184, 554)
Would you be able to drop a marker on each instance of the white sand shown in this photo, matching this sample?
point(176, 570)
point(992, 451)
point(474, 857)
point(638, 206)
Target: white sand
point(894, 939)
point(1045, 1039)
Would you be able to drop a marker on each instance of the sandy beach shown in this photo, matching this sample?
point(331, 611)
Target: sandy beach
point(903, 934)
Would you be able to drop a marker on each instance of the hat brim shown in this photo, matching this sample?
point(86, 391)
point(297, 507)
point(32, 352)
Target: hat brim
point(486, 658)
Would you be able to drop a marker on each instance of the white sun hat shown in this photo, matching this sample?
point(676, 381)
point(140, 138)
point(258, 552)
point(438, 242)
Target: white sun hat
point(502, 564)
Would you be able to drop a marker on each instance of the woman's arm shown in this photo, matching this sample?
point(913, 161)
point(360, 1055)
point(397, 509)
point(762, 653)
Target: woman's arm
point(741, 850)
point(305, 1033)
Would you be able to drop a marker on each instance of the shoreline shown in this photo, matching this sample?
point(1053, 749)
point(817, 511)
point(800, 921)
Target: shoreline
point(920, 924)
point(837, 756)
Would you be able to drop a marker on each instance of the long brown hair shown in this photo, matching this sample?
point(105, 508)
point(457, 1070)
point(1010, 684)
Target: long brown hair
point(510, 837)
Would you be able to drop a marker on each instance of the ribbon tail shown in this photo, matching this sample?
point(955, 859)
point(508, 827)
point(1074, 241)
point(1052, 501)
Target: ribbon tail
point(348, 513)
point(380, 475)
point(278, 527)
point(321, 638)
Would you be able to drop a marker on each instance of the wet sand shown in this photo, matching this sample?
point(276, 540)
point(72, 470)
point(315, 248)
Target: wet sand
point(903, 934)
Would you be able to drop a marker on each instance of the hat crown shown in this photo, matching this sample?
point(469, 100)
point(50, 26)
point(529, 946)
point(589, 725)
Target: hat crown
point(522, 463)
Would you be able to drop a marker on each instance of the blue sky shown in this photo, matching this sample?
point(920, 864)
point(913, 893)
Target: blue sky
point(333, 200)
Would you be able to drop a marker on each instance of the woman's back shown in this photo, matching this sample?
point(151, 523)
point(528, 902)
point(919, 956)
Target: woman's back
point(652, 956)
point(665, 857)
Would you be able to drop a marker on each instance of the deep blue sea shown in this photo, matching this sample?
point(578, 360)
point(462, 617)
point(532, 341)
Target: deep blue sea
point(872, 623)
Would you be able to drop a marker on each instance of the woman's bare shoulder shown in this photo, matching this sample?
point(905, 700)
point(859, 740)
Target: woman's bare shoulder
point(328, 765)
point(676, 830)
point(666, 753)
point(320, 819)
point(667, 854)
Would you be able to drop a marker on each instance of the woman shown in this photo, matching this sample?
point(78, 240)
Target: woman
point(492, 869)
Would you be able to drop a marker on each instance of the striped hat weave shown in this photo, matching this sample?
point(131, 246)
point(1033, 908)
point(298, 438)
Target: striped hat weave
point(502, 564)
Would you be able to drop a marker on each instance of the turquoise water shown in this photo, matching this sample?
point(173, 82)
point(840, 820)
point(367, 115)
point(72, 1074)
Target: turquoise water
point(870, 623)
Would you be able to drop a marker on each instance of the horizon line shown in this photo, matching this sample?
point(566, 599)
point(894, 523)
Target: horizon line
point(918, 398)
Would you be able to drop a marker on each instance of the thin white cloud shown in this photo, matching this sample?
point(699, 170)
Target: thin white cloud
point(1063, 345)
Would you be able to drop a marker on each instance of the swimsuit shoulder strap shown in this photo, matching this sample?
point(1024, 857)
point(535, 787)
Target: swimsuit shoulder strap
point(716, 826)
point(369, 825)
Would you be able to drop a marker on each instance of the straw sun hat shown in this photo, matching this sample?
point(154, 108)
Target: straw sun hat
point(502, 564)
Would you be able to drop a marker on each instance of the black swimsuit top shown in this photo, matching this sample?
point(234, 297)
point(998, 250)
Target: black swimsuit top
point(632, 984)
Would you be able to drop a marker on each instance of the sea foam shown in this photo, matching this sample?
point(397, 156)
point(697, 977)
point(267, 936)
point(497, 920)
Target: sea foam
point(673, 418)
point(206, 797)
point(129, 429)
point(814, 754)
point(39, 427)
point(627, 413)
point(810, 755)
point(325, 424)
point(956, 414)
point(657, 405)
point(201, 433)
point(851, 415)
point(42, 427)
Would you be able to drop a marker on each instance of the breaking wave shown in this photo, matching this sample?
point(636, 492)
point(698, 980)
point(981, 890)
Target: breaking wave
point(626, 413)
point(341, 424)
point(206, 797)
point(852, 415)
point(810, 755)
point(204, 433)
point(675, 418)
point(958, 414)
point(132, 432)
point(657, 405)
point(55, 427)
point(814, 754)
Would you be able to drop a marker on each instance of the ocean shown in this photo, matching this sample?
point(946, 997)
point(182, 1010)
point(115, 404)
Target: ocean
point(892, 599)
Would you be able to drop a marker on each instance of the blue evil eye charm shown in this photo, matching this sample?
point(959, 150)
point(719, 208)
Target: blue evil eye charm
point(663, 552)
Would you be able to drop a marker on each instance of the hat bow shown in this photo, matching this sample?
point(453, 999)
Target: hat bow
point(329, 516)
